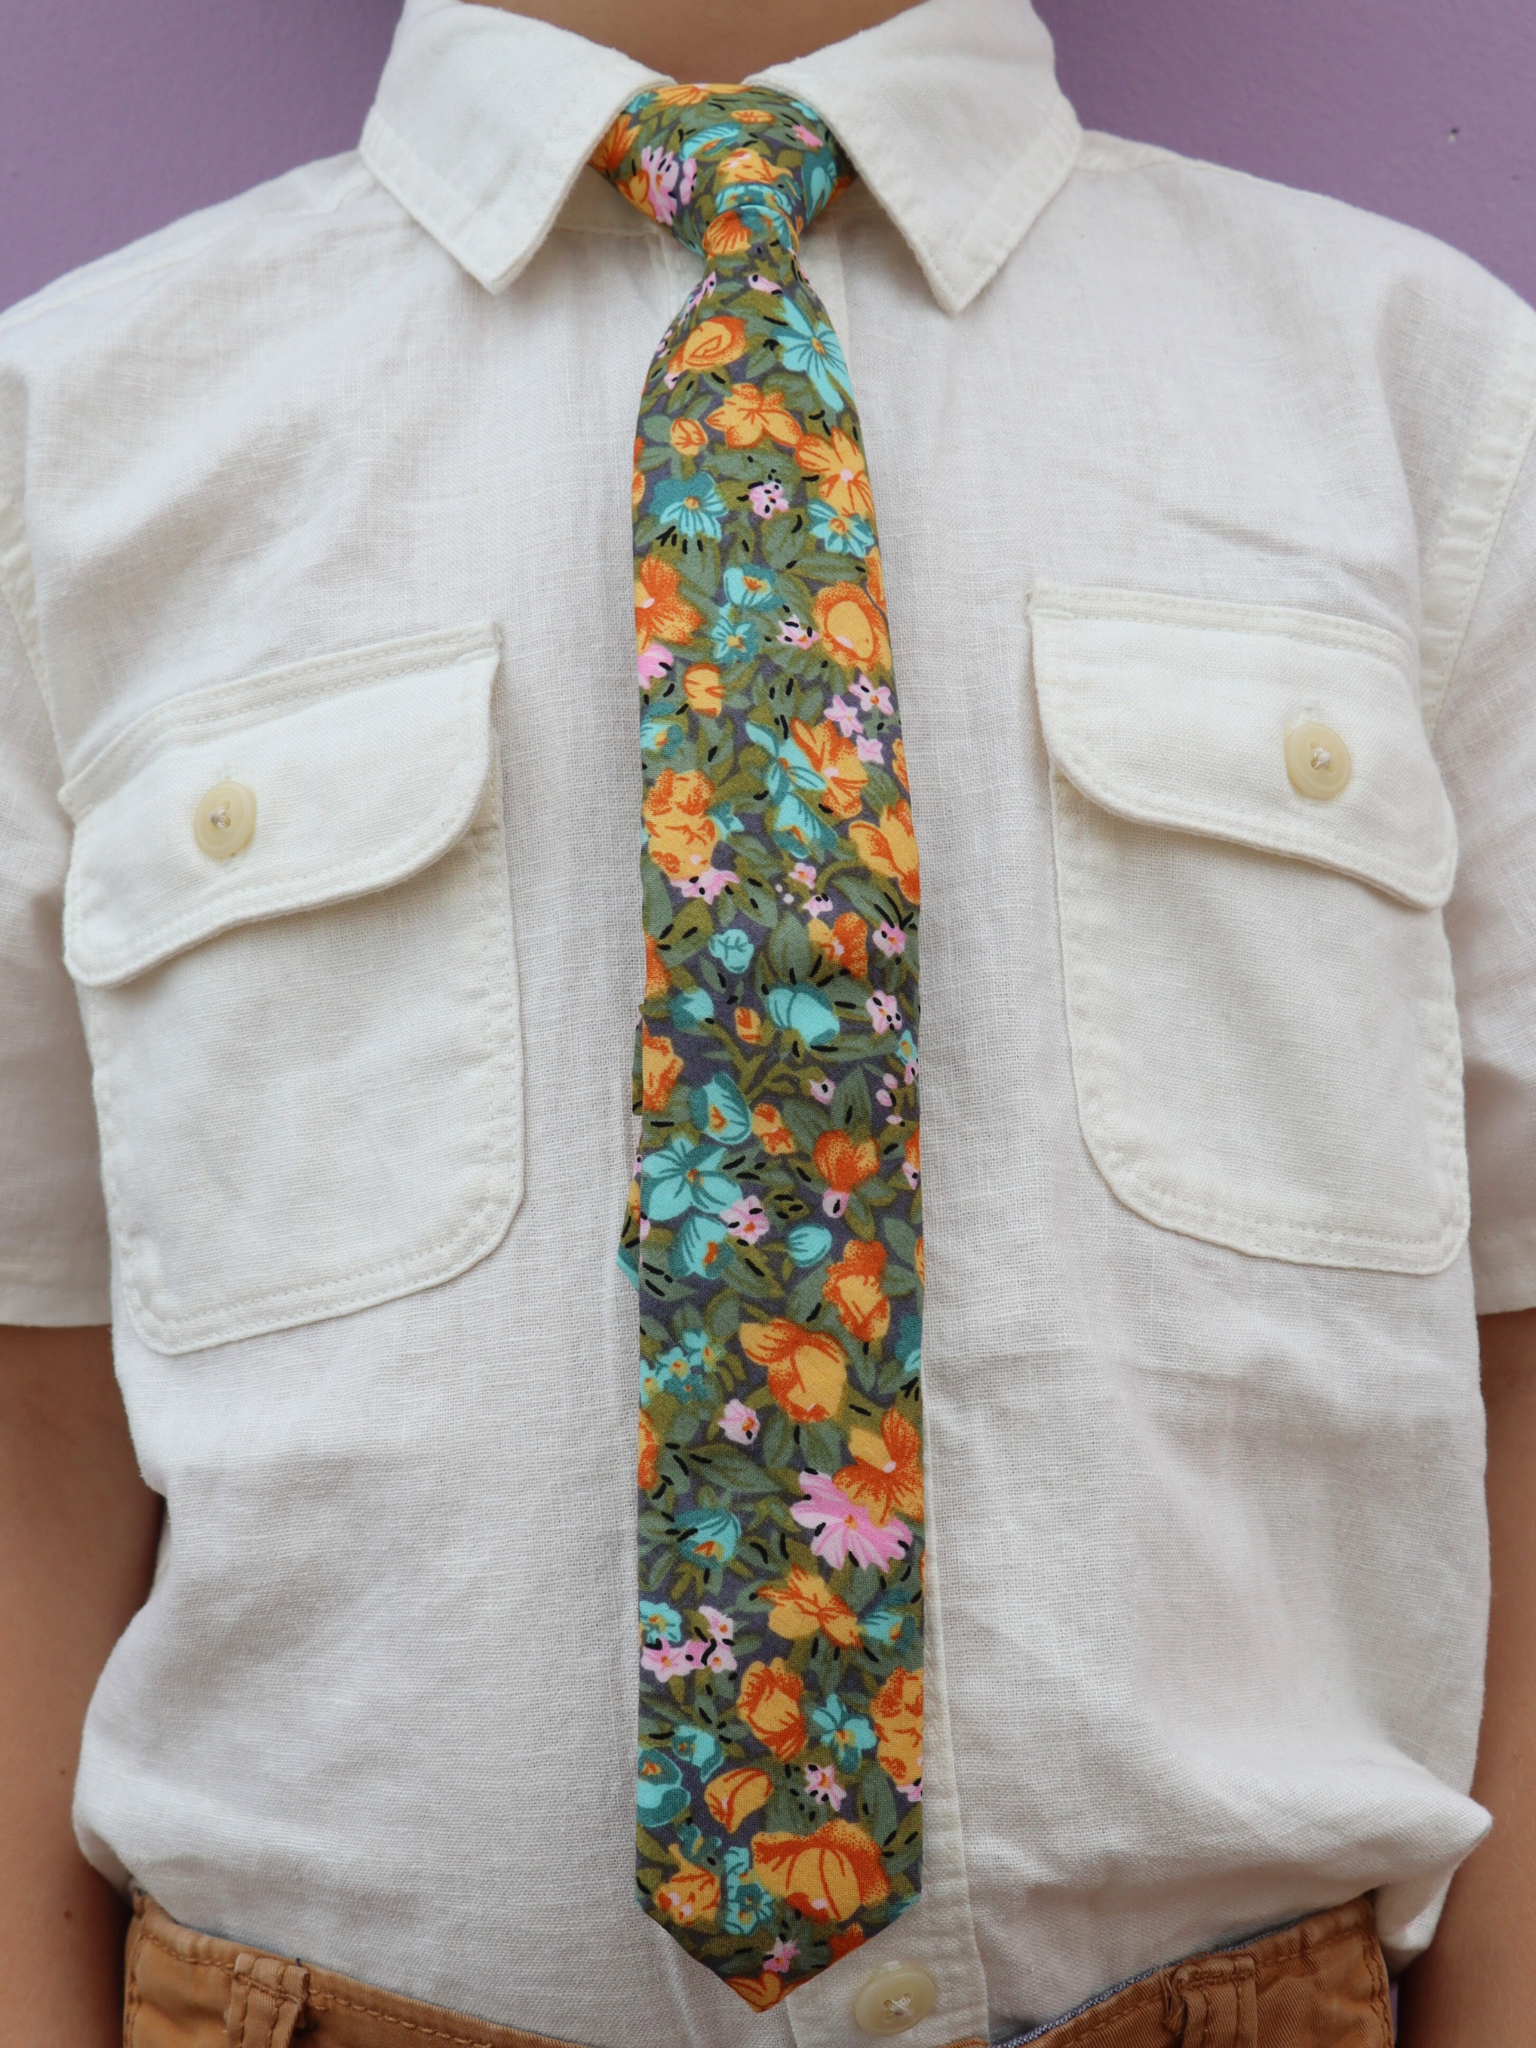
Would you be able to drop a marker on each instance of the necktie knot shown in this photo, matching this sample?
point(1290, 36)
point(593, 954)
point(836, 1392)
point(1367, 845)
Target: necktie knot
point(735, 171)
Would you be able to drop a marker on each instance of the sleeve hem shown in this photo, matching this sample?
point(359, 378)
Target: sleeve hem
point(62, 1304)
point(1504, 1268)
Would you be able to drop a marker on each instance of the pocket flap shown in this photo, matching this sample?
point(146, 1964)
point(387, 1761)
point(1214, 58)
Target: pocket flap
point(1174, 712)
point(366, 767)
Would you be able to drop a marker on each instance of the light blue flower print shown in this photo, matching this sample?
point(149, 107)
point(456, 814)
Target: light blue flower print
point(812, 348)
point(735, 637)
point(808, 1244)
point(804, 1010)
point(692, 505)
point(848, 1734)
point(660, 1623)
point(691, 1007)
point(684, 1176)
point(709, 1536)
point(696, 1247)
point(841, 533)
point(749, 590)
point(720, 1109)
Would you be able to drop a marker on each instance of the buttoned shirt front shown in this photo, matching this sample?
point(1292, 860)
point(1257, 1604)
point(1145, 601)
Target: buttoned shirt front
point(1209, 534)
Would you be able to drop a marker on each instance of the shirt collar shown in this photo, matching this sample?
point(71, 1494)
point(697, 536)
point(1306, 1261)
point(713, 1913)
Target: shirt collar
point(950, 111)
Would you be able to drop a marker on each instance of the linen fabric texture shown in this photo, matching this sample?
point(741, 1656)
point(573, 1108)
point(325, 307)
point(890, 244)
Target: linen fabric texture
point(1166, 460)
point(775, 1217)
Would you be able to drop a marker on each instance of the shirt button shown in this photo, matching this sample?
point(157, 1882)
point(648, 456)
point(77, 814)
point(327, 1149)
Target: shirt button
point(1317, 761)
point(895, 1998)
point(225, 819)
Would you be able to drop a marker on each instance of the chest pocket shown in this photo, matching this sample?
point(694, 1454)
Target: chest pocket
point(1262, 1021)
point(306, 1052)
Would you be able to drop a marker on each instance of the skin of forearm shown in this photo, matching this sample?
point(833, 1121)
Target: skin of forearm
point(78, 1529)
point(1475, 1984)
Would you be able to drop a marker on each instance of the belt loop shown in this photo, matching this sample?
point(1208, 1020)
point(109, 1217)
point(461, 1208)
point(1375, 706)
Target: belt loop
point(1214, 2003)
point(266, 2002)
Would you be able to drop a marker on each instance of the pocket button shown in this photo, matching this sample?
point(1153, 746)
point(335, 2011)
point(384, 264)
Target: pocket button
point(225, 819)
point(1317, 761)
point(895, 1998)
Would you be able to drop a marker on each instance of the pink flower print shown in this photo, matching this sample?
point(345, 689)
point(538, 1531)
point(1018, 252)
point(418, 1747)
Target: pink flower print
point(660, 168)
point(793, 634)
point(802, 871)
point(870, 750)
point(720, 1659)
point(746, 1219)
point(645, 1228)
point(694, 1652)
point(669, 1660)
point(709, 884)
point(721, 1627)
point(700, 292)
point(844, 1529)
point(780, 1956)
point(821, 1091)
point(842, 714)
point(740, 1423)
point(685, 188)
point(817, 906)
point(911, 1174)
point(806, 136)
point(821, 1783)
point(766, 499)
point(913, 1793)
point(884, 1012)
point(873, 696)
point(890, 938)
point(654, 662)
point(759, 283)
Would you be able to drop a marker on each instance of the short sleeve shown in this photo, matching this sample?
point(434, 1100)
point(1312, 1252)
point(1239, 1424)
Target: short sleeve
point(1486, 741)
point(53, 1237)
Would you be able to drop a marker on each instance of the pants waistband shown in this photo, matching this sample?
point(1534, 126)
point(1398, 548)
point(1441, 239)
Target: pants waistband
point(1319, 1984)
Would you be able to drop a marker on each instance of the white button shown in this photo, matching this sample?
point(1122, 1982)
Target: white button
point(895, 1998)
point(1317, 761)
point(225, 819)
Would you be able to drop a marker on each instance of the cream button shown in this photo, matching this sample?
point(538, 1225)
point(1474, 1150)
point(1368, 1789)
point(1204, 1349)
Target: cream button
point(225, 819)
point(1317, 761)
point(895, 1998)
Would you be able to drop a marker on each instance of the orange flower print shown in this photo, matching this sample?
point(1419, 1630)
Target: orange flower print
point(750, 1028)
point(768, 1700)
point(637, 481)
point(676, 812)
point(709, 346)
point(770, 1129)
point(845, 1941)
point(703, 689)
point(736, 1795)
point(727, 235)
point(852, 627)
point(890, 849)
point(844, 944)
point(657, 979)
point(804, 1604)
point(759, 1992)
point(897, 1712)
point(874, 576)
point(689, 95)
point(747, 413)
point(839, 462)
point(888, 1477)
point(692, 1898)
point(650, 1454)
point(750, 167)
point(913, 1153)
point(807, 1369)
point(660, 1068)
point(844, 1163)
point(825, 1876)
point(853, 1290)
point(615, 146)
point(899, 764)
point(660, 613)
point(920, 1263)
point(836, 761)
point(688, 437)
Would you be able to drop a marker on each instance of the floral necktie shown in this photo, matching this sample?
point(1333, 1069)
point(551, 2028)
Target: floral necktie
point(774, 1227)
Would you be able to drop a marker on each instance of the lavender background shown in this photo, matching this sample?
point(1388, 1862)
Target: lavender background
point(115, 118)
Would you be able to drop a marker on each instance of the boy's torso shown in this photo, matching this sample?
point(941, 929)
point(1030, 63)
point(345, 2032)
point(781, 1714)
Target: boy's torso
point(1198, 1303)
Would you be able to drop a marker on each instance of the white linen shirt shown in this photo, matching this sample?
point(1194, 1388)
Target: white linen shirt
point(327, 490)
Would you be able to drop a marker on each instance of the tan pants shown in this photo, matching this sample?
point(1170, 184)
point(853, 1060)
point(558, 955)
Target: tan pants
point(1321, 1984)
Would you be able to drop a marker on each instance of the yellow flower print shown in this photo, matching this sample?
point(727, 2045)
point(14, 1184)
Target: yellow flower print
point(682, 834)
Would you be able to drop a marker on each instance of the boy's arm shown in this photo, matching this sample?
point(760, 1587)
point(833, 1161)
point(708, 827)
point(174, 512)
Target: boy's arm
point(78, 1528)
point(1478, 1981)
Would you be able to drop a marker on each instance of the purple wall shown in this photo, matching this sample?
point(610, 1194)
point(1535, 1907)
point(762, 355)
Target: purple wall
point(116, 117)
